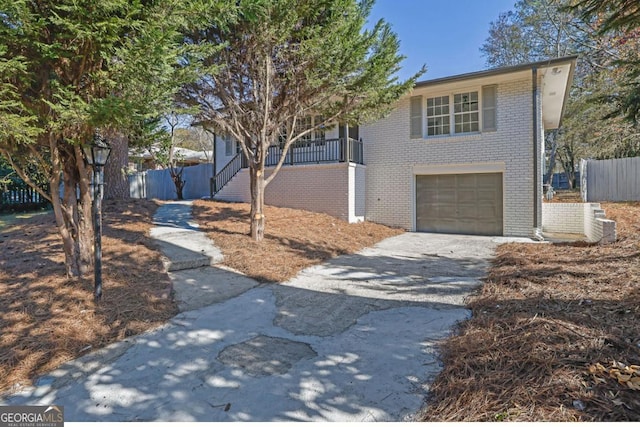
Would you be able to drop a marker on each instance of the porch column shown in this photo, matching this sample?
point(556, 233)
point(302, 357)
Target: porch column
point(345, 146)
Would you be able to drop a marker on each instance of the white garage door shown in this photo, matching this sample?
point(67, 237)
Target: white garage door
point(459, 203)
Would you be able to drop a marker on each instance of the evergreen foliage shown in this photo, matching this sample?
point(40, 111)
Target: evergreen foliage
point(68, 67)
point(284, 60)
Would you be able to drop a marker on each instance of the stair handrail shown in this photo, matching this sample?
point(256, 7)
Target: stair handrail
point(227, 173)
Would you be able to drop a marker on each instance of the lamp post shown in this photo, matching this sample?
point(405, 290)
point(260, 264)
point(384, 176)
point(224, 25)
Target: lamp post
point(96, 154)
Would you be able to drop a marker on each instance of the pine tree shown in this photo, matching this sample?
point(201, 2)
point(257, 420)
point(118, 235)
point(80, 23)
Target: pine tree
point(68, 67)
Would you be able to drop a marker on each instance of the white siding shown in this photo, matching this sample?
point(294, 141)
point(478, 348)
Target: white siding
point(391, 155)
point(221, 157)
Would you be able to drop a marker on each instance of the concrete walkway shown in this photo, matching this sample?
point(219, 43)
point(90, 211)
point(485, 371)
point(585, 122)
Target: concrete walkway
point(353, 339)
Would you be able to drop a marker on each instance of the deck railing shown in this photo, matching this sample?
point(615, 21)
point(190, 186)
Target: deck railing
point(228, 172)
point(317, 151)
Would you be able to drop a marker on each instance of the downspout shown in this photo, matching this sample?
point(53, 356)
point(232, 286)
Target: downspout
point(536, 190)
point(212, 184)
point(213, 155)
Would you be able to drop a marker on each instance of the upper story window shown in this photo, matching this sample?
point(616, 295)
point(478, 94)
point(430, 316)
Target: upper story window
point(457, 113)
point(465, 112)
point(438, 116)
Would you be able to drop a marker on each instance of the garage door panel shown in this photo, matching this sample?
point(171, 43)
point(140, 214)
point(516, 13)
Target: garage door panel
point(445, 226)
point(467, 196)
point(488, 213)
point(445, 182)
point(487, 196)
point(460, 203)
point(447, 211)
point(447, 196)
point(465, 212)
point(466, 181)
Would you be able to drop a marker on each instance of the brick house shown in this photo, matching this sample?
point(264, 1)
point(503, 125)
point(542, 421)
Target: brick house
point(461, 154)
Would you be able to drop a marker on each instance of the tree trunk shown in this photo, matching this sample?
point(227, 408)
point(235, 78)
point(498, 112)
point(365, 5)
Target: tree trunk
point(85, 217)
point(116, 183)
point(567, 159)
point(569, 173)
point(552, 140)
point(257, 203)
point(72, 209)
point(70, 258)
point(176, 176)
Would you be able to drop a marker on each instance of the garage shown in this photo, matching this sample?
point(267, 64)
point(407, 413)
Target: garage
point(469, 203)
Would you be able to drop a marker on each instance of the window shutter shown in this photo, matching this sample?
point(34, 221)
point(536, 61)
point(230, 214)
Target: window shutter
point(415, 118)
point(489, 110)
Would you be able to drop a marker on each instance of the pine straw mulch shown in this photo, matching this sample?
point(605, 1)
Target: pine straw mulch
point(47, 319)
point(555, 335)
point(294, 239)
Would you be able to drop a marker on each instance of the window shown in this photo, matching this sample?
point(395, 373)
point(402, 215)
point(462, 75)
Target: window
point(231, 147)
point(316, 136)
point(302, 125)
point(438, 116)
point(453, 114)
point(320, 132)
point(228, 146)
point(466, 115)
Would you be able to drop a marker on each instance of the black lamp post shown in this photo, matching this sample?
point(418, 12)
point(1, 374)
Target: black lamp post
point(96, 154)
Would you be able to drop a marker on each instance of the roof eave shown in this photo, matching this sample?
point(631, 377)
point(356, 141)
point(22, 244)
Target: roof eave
point(499, 71)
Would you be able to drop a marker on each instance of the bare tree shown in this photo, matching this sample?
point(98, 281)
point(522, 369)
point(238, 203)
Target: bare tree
point(285, 60)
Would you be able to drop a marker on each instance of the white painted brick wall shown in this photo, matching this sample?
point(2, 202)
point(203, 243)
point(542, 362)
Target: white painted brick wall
point(316, 188)
point(580, 218)
point(563, 218)
point(390, 156)
point(597, 228)
point(236, 190)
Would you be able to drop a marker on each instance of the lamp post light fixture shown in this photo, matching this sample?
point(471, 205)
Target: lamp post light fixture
point(96, 154)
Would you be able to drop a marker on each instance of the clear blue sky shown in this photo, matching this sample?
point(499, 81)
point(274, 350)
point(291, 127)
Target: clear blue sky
point(446, 35)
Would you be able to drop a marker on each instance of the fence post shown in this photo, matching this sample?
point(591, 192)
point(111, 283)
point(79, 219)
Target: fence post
point(583, 180)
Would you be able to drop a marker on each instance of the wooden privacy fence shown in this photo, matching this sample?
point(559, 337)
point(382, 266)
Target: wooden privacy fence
point(157, 184)
point(614, 180)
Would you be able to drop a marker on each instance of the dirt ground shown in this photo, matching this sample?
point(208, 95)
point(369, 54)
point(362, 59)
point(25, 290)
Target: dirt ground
point(294, 239)
point(47, 319)
point(555, 335)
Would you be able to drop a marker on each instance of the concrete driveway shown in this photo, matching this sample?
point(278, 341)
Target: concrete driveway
point(353, 339)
